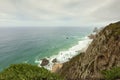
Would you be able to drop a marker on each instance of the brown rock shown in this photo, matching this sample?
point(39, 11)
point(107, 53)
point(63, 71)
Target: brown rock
point(56, 67)
point(102, 54)
point(54, 60)
point(44, 62)
point(92, 36)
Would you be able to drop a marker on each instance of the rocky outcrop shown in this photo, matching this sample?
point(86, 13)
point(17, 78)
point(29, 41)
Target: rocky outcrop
point(54, 60)
point(102, 54)
point(44, 62)
point(56, 67)
point(92, 36)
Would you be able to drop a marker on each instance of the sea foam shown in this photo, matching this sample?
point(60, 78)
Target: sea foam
point(64, 56)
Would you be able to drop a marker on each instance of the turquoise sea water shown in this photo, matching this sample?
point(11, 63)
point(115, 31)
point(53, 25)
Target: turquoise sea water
point(24, 44)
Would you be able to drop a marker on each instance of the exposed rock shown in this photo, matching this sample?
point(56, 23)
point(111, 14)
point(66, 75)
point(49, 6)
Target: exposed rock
point(56, 67)
point(54, 60)
point(44, 62)
point(67, 38)
point(102, 54)
point(97, 30)
point(92, 36)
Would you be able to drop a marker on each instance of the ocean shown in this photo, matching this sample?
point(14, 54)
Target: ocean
point(31, 44)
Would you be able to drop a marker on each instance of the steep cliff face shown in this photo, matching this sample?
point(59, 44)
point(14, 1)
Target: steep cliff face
point(102, 54)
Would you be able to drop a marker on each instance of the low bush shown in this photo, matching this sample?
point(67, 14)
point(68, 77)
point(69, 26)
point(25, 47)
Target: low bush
point(112, 74)
point(27, 72)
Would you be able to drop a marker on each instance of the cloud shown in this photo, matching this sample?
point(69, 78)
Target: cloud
point(58, 12)
point(108, 12)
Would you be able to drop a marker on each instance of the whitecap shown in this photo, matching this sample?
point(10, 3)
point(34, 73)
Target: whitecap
point(64, 56)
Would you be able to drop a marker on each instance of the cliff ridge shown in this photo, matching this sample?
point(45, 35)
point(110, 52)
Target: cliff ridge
point(102, 54)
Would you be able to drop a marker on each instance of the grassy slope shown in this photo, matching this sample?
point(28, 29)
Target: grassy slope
point(27, 72)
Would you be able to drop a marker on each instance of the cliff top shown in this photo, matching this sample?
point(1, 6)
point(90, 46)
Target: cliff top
point(114, 27)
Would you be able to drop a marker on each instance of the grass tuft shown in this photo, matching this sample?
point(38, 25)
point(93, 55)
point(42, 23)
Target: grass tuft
point(112, 74)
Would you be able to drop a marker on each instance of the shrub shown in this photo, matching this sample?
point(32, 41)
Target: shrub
point(27, 72)
point(112, 74)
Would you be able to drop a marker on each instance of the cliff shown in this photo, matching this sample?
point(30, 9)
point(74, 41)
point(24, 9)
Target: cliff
point(102, 54)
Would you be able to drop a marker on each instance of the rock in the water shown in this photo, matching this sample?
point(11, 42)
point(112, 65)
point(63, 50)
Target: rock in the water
point(54, 60)
point(44, 62)
point(67, 38)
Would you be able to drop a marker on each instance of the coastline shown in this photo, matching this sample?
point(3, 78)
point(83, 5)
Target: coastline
point(64, 56)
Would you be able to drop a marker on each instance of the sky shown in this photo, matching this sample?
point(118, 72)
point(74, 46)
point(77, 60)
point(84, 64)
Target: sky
point(58, 12)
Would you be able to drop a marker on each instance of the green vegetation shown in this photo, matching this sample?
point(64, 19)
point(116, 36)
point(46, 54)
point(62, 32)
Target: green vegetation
point(27, 72)
point(112, 74)
point(115, 28)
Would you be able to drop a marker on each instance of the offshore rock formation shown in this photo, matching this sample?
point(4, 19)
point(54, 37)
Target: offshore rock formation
point(102, 54)
point(44, 62)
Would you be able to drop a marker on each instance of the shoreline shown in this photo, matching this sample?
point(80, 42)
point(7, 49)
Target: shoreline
point(64, 56)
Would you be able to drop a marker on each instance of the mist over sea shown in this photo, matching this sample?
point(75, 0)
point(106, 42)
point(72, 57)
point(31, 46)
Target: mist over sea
point(27, 44)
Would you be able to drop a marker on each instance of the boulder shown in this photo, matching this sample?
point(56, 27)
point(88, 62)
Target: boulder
point(56, 67)
point(44, 62)
point(54, 60)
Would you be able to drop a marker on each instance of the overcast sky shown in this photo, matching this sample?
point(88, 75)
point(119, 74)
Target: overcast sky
point(58, 12)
